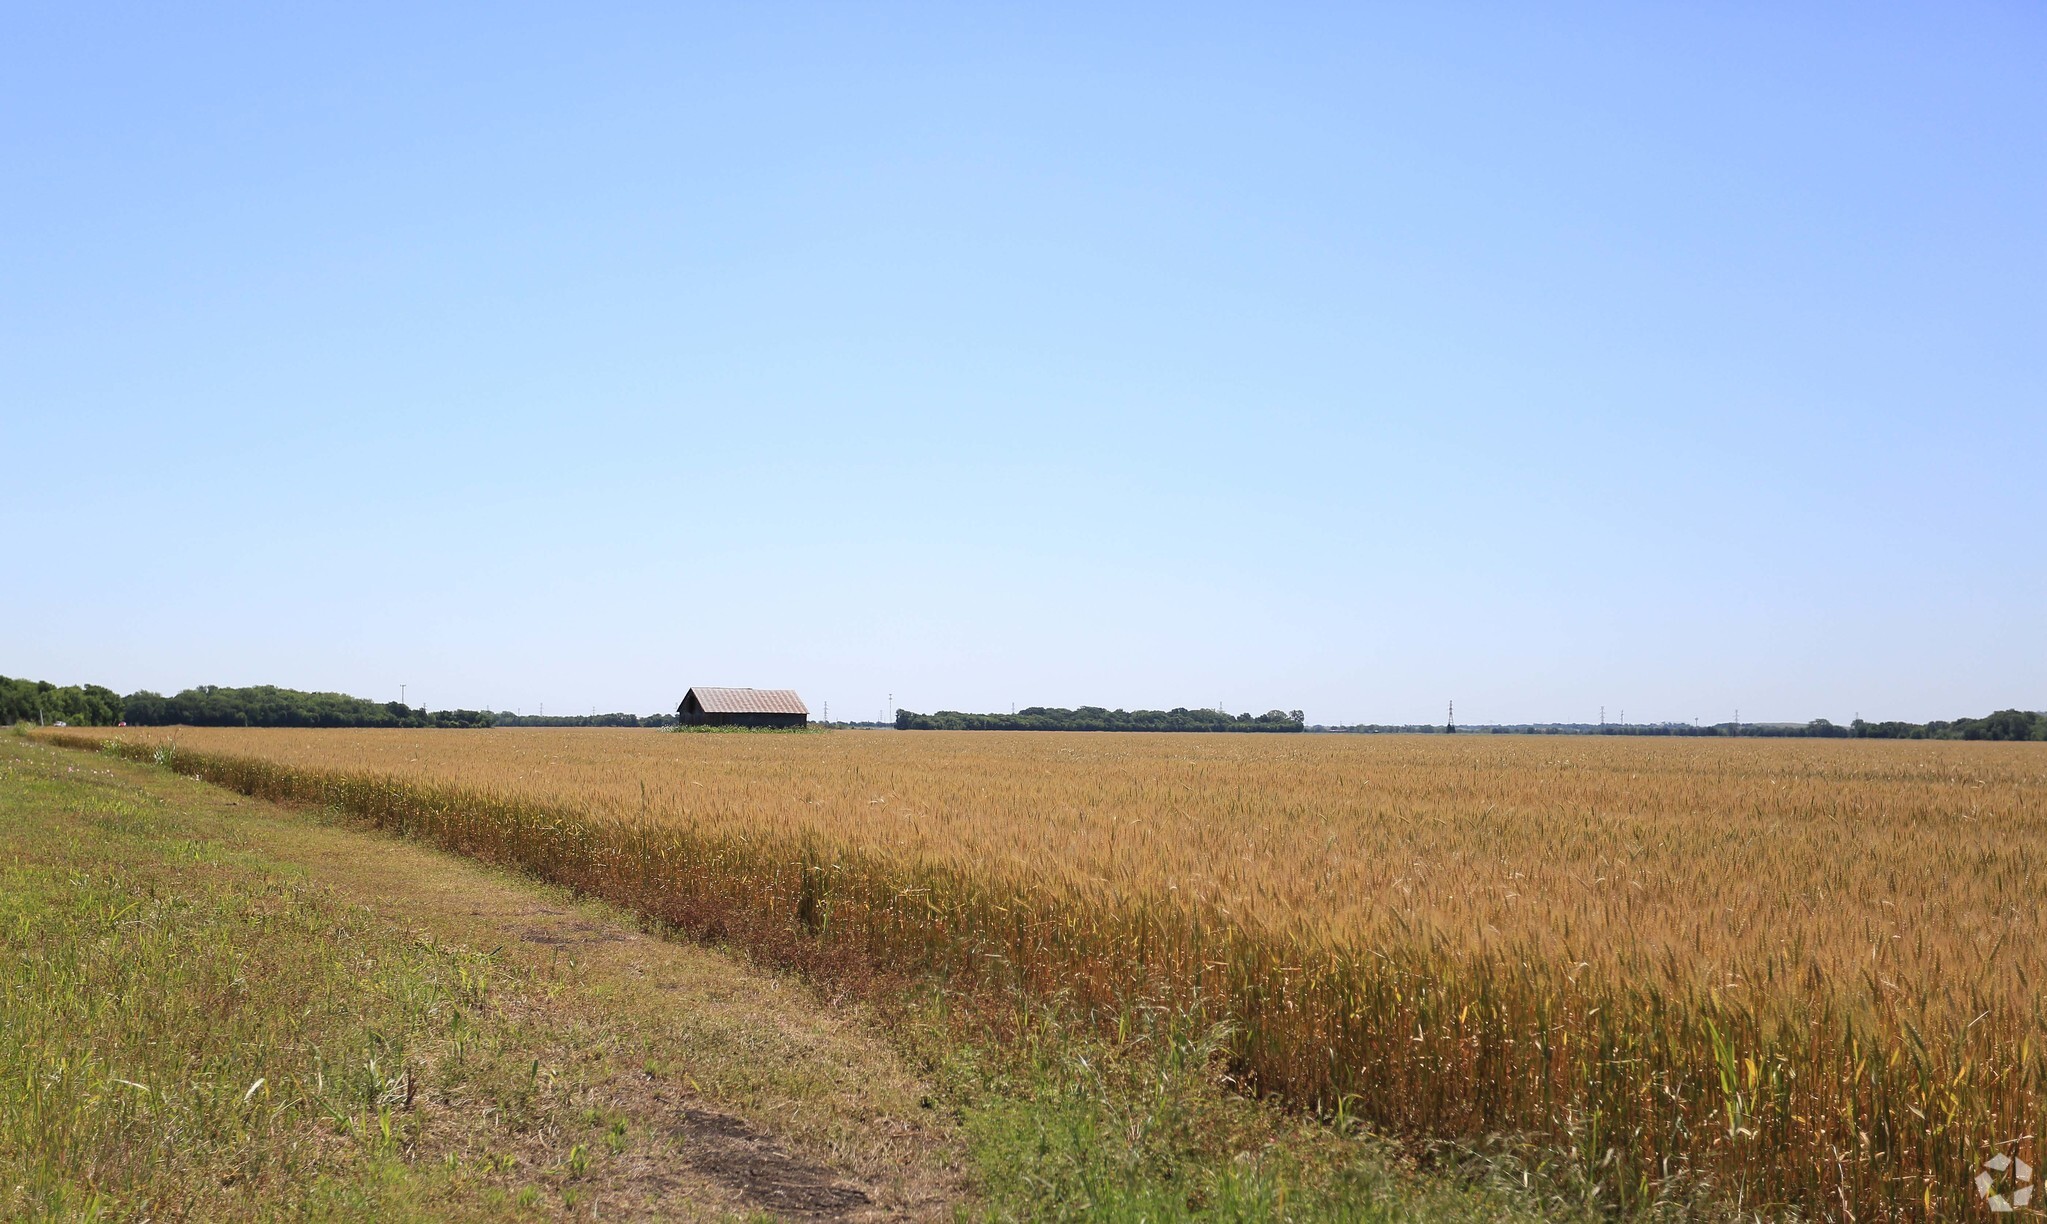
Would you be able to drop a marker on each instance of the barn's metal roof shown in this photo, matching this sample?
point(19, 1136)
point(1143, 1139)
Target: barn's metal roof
point(749, 701)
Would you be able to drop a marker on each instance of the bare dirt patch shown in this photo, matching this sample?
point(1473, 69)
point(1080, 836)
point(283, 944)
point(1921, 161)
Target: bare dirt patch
point(572, 934)
point(765, 1174)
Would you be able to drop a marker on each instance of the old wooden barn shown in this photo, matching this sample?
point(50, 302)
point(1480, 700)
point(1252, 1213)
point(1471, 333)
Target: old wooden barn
point(742, 707)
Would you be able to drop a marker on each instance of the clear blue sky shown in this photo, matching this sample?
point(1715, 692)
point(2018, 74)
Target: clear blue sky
point(1668, 358)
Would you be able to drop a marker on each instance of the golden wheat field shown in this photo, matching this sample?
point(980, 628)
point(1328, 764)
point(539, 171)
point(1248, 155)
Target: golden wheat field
point(1794, 973)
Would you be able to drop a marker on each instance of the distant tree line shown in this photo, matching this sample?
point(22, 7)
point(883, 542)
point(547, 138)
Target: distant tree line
point(260, 706)
point(505, 718)
point(2003, 725)
point(266, 705)
point(1096, 718)
point(90, 705)
point(39, 701)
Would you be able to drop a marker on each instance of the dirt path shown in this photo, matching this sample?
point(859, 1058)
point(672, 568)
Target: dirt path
point(778, 1101)
point(752, 1095)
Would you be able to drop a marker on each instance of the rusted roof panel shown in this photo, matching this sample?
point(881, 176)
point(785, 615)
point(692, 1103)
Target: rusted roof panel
point(749, 701)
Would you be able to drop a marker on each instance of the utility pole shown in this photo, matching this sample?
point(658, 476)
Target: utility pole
point(401, 694)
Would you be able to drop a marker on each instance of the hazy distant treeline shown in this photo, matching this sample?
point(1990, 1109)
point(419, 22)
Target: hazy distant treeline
point(90, 705)
point(260, 706)
point(1095, 718)
point(2003, 725)
point(268, 706)
point(39, 701)
point(505, 718)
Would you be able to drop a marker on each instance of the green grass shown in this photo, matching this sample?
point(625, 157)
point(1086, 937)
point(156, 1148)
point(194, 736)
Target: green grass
point(201, 1019)
point(183, 1035)
point(1064, 1125)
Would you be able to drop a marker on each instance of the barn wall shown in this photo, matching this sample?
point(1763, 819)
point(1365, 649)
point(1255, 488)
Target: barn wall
point(692, 718)
point(757, 720)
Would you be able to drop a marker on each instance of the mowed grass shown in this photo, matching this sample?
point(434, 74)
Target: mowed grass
point(185, 1038)
point(1782, 974)
point(212, 1011)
